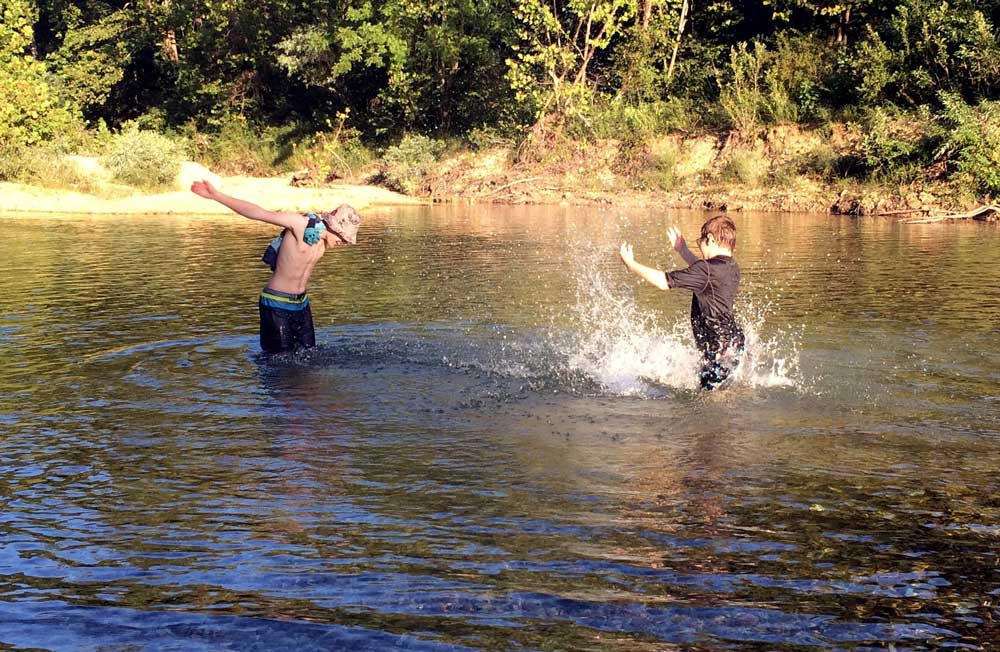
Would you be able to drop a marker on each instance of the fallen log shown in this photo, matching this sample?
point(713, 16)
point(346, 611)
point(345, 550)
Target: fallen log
point(988, 212)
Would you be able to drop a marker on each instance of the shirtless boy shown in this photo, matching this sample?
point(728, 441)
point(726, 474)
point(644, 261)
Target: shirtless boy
point(714, 280)
point(286, 320)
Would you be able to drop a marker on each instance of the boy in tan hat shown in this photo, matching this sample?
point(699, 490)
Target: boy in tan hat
point(286, 320)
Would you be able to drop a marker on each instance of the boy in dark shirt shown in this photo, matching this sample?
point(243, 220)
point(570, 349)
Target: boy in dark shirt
point(714, 280)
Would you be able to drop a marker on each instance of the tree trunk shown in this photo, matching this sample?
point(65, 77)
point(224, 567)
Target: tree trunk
point(170, 46)
point(681, 23)
point(588, 50)
point(845, 18)
point(647, 13)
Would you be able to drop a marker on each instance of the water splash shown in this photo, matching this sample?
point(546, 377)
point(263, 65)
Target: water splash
point(771, 361)
point(620, 347)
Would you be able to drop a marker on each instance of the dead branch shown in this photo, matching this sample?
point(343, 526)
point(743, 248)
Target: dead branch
point(512, 183)
point(908, 211)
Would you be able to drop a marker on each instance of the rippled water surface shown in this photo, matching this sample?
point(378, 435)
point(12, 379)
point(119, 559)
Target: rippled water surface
point(498, 444)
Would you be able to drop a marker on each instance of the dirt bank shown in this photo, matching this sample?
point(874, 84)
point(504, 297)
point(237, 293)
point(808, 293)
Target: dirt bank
point(780, 170)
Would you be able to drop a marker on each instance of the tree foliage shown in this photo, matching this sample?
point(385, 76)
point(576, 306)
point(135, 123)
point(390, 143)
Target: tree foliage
point(443, 67)
point(926, 47)
point(31, 112)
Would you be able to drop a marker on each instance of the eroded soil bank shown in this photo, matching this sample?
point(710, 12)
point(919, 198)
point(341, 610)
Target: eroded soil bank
point(784, 169)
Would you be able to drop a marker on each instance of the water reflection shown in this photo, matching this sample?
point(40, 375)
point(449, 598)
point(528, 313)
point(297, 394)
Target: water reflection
point(495, 446)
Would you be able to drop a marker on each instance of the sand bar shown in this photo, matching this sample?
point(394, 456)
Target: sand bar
point(273, 193)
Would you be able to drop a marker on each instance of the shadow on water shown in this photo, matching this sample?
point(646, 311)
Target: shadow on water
point(519, 462)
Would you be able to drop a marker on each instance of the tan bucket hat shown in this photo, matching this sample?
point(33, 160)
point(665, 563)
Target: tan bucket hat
point(344, 222)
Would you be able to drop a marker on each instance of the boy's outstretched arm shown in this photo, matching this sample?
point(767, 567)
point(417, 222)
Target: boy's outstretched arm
point(679, 245)
point(651, 274)
point(248, 209)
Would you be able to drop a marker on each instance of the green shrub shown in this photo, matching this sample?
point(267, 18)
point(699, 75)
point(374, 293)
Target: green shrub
point(923, 47)
point(639, 70)
point(825, 162)
point(633, 122)
point(819, 161)
point(780, 104)
point(331, 155)
point(336, 153)
point(896, 148)
point(808, 97)
point(779, 86)
point(970, 142)
point(798, 71)
point(143, 159)
point(648, 165)
point(238, 148)
point(405, 166)
point(741, 93)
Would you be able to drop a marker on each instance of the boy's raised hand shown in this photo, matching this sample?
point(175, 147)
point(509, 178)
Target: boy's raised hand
point(203, 189)
point(626, 253)
point(676, 239)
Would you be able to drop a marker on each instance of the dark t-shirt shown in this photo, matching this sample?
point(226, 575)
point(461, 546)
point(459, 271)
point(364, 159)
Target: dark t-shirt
point(714, 282)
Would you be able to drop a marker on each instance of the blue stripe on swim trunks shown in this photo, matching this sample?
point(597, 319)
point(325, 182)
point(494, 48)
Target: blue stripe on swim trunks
point(283, 300)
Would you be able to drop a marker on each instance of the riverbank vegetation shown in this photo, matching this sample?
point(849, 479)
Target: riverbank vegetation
point(855, 105)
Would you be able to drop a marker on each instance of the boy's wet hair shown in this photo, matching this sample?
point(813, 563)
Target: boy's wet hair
point(723, 229)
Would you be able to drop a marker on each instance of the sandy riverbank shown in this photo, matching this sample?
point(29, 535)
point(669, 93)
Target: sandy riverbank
point(274, 193)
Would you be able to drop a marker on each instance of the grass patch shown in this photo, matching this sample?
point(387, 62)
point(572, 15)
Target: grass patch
point(650, 168)
point(239, 149)
point(47, 167)
point(746, 167)
point(826, 163)
point(661, 172)
point(638, 122)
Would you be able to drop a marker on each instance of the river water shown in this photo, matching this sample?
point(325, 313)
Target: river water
point(498, 444)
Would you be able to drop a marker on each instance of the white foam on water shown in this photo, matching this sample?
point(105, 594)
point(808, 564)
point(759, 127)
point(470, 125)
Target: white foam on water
point(617, 345)
point(772, 361)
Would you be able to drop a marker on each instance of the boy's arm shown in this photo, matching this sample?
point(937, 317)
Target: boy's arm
point(678, 243)
point(248, 209)
point(650, 274)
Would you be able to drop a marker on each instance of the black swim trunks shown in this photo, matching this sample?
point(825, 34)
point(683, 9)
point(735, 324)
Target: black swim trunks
point(715, 371)
point(286, 321)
